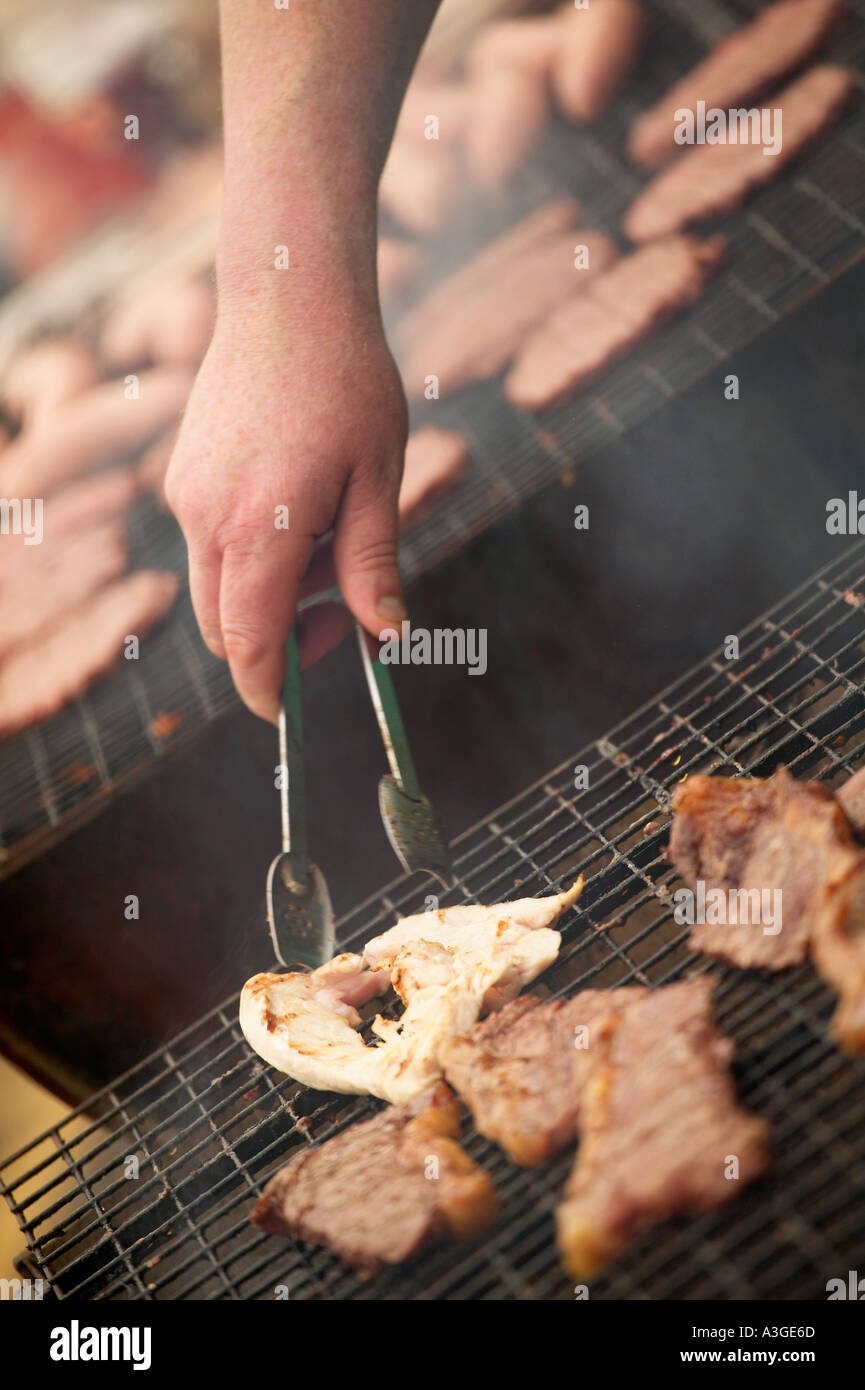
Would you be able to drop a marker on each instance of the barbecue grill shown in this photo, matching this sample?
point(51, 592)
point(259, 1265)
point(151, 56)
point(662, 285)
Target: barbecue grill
point(207, 1123)
point(790, 242)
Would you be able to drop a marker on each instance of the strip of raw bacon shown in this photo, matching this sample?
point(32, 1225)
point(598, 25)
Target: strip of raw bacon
point(714, 179)
point(741, 67)
point(58, 579)
point(38, 679)
point(619, 308)
point(475, 340)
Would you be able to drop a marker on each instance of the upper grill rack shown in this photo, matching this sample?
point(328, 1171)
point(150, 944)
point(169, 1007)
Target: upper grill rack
point(788, 244)
point(147, 1192)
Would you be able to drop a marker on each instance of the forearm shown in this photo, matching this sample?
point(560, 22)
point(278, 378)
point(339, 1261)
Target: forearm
point(310, 98)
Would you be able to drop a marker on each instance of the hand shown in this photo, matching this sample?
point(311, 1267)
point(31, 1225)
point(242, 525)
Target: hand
point(305, 420)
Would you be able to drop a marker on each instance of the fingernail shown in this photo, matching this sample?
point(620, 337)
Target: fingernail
point(392, 609)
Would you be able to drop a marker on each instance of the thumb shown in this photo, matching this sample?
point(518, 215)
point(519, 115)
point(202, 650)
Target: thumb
point(365, 551)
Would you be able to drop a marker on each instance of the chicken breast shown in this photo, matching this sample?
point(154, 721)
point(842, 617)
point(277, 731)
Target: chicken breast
point(447, 967)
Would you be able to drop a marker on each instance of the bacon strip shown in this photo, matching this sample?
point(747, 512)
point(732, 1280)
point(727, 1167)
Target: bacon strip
point(38, 679)
point(618, 309)
point(714, 179)
point(744, 65)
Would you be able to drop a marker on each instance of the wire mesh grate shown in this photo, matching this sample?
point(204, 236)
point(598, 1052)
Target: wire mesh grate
point(791, 241)
point(146, 1192)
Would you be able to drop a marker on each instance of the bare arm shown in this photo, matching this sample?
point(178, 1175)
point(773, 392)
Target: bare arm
point(298, 404)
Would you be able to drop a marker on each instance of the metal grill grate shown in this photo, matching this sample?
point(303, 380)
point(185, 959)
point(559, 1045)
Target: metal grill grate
point(208, 1123)
point(789, 243)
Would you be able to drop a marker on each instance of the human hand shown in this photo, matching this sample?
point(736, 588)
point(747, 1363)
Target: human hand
point(291, 428)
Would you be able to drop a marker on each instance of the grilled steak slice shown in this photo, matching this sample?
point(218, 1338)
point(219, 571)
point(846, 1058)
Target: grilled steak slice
point(477, 338)
point(658, 1127)
point(616, 311)
point(714, 179)
point(838, 947)
point(741, 67)
point(521, 1070)
point(384, 1189)
point(41, 677)
point(851, 796)
point(747, 834)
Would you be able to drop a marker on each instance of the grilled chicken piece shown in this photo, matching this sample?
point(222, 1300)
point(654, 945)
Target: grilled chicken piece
point(659, 1125)
point(385, 1189)
point(522, 1071)
point(741, 67)
point(714, 179)
point(447, 967)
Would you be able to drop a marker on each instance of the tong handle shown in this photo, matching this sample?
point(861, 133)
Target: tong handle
point(292, 783)
point(390, 724)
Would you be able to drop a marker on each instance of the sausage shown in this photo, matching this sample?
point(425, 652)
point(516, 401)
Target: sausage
point(397, 264)
point(510, 108)
point(527, 43)
point(595, 53)
point(713, 179)
point(418, 184)
point(153, 464)
point(92, 427)
point(447, 101)
point(617, 310)
point(171, 324)
point(44, 376)
point(435, 461)
point(743, 66)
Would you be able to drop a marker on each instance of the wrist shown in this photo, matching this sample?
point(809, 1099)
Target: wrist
point(302, 254)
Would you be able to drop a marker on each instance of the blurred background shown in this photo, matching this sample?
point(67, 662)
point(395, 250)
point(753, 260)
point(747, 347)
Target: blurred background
point(703, 512)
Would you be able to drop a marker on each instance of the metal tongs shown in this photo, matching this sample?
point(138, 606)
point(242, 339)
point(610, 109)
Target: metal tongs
point(299, 911)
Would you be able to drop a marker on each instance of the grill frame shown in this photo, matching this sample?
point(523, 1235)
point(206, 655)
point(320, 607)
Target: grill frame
point(210, 1123)
point(788, 243)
